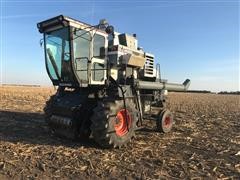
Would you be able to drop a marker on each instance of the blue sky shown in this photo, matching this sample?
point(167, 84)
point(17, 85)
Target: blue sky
point(191, 39)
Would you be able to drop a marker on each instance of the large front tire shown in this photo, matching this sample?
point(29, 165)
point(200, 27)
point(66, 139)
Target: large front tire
point(112, 124)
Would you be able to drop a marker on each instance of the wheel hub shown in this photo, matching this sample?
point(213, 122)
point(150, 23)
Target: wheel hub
point(167, 121)
point(123, 122)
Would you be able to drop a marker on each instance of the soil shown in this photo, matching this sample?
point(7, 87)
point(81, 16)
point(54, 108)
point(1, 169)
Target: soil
point(203, 144)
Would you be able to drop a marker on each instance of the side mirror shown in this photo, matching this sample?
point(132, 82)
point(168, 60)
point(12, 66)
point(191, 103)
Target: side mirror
point(41, 42)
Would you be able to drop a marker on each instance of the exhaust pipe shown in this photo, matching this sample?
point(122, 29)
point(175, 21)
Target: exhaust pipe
point(163, 85)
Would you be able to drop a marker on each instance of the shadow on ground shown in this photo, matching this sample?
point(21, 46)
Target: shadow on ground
point(30, 128)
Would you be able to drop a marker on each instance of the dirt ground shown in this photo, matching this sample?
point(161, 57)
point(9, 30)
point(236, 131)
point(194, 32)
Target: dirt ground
point(204, 143)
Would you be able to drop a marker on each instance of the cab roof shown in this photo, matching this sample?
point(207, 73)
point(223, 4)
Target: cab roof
point(62, 21)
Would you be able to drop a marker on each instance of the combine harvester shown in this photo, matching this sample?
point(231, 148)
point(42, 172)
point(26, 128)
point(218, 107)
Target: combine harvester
point(106, 84)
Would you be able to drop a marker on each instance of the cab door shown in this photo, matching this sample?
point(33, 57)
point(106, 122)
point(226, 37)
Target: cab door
point(98, 60)
point(81, 44)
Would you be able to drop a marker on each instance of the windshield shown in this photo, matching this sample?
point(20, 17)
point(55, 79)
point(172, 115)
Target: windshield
point(58, 55)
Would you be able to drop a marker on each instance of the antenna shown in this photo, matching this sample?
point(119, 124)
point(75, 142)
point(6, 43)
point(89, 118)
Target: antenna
point(92, 12)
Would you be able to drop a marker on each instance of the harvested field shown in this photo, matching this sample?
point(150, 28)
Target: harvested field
point(204, 143)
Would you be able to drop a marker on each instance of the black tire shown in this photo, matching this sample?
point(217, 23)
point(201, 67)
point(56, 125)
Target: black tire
point(164, 121)
point(105, 121)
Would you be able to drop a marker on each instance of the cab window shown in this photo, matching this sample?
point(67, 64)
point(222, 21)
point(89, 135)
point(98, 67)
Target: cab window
point(98, 46)
point(98, 72)
point(81, 49)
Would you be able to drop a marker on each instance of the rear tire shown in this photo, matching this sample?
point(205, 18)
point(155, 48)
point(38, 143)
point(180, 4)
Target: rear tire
point(164, 121)
point(110, 127)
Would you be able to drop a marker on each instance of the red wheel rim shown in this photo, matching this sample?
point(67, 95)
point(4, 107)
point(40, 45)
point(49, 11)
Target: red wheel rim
point(167, 122)
point(122, 123)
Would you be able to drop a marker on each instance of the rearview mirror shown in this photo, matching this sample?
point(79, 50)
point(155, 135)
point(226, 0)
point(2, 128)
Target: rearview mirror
point(41, 42)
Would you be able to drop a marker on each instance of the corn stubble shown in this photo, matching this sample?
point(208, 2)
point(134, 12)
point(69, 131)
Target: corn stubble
point(204, 143)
